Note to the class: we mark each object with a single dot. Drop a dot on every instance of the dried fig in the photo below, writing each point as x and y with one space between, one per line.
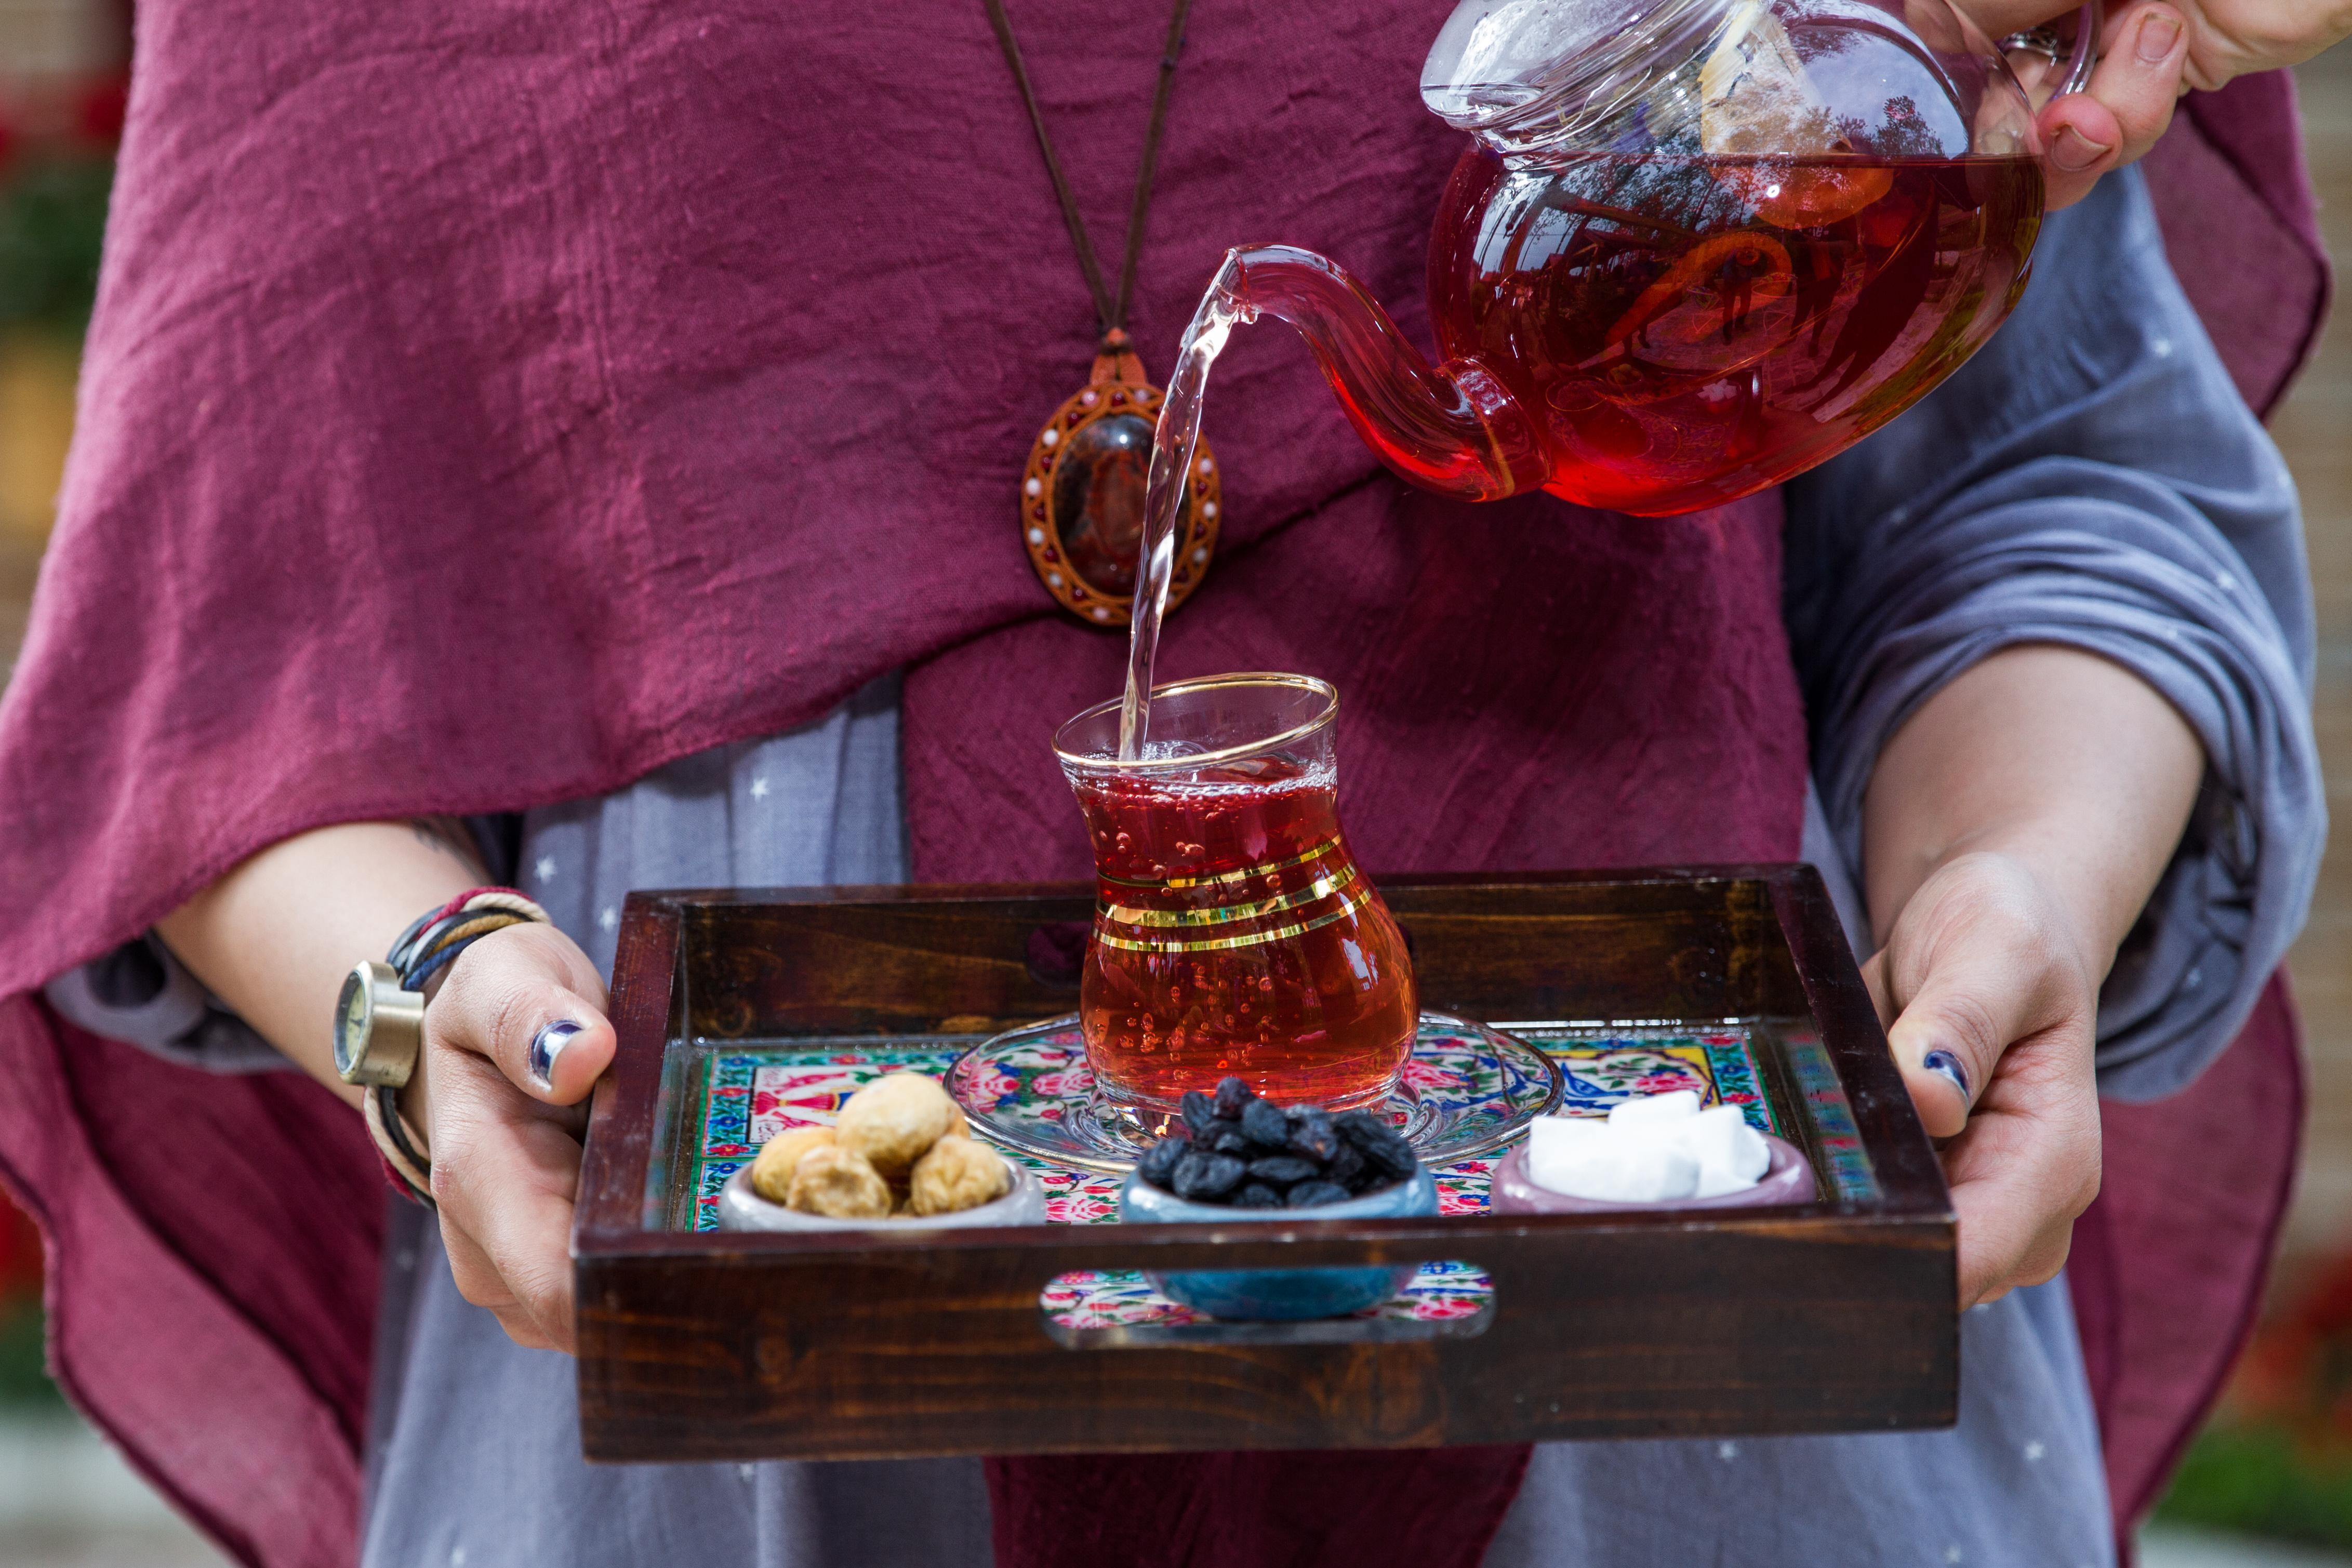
893 1120
772 1172
839 1183
957 1173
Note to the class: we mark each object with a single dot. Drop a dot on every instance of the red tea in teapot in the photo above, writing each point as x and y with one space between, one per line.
1234 935
1687 330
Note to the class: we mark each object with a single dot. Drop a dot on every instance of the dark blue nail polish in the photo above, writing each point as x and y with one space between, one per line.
1946 1063
547 1045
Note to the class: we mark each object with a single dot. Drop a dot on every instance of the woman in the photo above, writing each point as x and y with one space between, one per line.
552 332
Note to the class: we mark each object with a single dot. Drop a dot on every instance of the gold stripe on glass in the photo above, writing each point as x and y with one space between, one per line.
1243 875
1339 879
1348 905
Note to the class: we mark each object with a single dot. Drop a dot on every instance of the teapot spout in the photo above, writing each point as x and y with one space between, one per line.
1455 428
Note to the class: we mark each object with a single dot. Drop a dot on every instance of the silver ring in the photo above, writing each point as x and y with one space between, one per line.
2042 40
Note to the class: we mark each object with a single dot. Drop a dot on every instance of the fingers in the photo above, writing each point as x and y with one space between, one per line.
478 1281
2012 1233
516 1030
527 999
1994 1031
504 1177
2027 1166
2128 105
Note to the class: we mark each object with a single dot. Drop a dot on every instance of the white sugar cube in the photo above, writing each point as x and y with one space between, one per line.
1654 1150
1616 1171
1560 1134
1674 1107
1731 1154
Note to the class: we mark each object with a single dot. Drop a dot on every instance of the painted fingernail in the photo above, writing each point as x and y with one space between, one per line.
1949 1065
547 1045
2157 36
2073 151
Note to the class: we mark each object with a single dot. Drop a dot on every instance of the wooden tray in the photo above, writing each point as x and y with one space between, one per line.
1838 1316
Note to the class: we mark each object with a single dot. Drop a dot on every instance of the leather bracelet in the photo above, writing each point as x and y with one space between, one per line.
434 939
406 1158
380 1020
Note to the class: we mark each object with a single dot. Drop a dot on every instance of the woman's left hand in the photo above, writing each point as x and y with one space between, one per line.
1990 1007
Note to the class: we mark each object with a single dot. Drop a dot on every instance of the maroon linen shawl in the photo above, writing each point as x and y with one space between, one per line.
487 404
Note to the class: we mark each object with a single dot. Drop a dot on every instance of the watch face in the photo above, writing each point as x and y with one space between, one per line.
352 1021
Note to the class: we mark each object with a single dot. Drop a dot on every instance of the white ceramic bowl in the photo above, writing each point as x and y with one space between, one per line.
742 1208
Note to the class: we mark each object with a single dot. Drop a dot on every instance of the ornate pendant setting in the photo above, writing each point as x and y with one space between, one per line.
1082 495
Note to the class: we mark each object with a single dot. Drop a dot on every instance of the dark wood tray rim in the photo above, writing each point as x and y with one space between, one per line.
615 1169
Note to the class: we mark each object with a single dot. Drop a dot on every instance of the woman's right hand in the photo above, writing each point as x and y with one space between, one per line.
514 1039
2152 52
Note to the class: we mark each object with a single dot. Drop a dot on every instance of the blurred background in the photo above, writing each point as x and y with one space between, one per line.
2269 1482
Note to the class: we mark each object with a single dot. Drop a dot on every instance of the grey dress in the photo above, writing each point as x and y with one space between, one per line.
2092 477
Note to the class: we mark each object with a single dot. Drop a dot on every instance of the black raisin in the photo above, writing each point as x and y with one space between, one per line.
1203 1177
1360 1127
1347 1166
1393 1156
1158 1165
1232 1095
1281 1170
1265 1125
1313 1136
1225 1138
1198 1110
1307 1195
1258 1195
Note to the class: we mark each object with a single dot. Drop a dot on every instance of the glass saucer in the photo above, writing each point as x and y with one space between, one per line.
1465 1090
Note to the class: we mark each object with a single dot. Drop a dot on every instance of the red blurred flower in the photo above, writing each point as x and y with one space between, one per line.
2297 1373
20 1254
97 116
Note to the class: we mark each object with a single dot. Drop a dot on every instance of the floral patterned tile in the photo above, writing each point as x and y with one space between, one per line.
751 1095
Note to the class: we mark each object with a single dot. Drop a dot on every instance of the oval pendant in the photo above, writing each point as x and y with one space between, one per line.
1082 497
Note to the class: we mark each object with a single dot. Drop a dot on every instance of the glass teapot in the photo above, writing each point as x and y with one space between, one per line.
1697 247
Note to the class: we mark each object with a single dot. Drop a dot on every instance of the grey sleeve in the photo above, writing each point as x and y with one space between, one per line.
2093 479
140 995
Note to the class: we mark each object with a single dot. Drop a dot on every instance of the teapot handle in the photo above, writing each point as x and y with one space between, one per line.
2085 58
2079 63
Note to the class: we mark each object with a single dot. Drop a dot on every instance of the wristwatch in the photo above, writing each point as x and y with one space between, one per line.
378 1027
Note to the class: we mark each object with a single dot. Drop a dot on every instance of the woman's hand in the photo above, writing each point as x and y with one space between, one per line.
1992 1009
2126 105
2014 827
2151 53
515 1036
514 1039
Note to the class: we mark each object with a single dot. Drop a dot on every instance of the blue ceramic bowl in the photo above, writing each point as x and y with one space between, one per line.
1278 1295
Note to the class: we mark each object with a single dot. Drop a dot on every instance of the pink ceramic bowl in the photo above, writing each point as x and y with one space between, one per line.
1789 1179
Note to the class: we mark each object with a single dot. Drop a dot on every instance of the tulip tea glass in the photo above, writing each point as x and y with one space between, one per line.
1234 935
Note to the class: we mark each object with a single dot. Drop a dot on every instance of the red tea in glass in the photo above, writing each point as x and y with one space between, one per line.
1234 933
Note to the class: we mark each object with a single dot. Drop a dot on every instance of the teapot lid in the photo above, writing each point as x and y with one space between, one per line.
1517 71
1727 78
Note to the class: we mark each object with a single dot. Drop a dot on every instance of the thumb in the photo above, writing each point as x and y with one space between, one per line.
528 999
1954 1023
